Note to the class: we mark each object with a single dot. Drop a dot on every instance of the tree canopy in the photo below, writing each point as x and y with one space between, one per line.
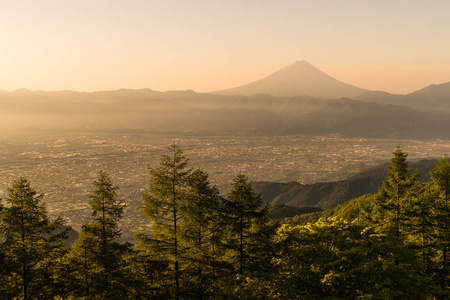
392 244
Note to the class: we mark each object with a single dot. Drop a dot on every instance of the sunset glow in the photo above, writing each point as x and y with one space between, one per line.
395 46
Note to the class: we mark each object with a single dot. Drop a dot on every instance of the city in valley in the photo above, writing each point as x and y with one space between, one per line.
63 165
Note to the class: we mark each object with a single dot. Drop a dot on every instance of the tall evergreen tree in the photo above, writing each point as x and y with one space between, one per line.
421 214
391 196
145 272
441 179
3 269
78 270
201 230
249 227
97 253
163 205
32 242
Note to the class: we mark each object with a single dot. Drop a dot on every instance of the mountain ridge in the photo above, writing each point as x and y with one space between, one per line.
196 112
432 98
424 114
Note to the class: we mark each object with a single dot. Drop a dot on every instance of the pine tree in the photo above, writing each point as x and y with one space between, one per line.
3 269
79 269
201 230
441 179
98 251
249 227
32 242
163 205
420 212
391 196
145 273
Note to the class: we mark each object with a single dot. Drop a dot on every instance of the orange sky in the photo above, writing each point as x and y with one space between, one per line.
396 46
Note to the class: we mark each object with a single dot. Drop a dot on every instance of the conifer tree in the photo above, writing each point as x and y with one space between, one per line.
78 270
97 253
441 179
145 273
391 196
163 205
201 230
249 226
421 214
32 241
3 269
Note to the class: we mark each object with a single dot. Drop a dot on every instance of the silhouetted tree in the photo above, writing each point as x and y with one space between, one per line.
441 179
248 240
201 230
32 242
97 253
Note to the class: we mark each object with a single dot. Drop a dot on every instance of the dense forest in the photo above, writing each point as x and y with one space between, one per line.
393 244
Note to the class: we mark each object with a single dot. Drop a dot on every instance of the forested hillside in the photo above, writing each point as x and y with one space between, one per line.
327 195
392 244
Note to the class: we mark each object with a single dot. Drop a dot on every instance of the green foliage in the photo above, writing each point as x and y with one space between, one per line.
248 242
281 211
441 180
355 209
163 206
78 270
32 242
441 176
146 274
242 215
407 220
106 209
335 259
95 263
420 226
390 212
201 233
389 245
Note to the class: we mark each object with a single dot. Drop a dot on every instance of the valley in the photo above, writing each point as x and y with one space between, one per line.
62 165
295 125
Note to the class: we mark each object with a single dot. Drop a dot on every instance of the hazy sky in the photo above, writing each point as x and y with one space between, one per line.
396 46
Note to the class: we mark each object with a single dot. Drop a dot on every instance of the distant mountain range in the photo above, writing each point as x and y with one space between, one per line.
424 114
327 195
433 98
297 79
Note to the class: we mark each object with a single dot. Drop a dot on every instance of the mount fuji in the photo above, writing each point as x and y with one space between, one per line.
297 79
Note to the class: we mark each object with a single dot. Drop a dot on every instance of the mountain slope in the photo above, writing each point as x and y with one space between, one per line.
282 211
298 79
326 195
433 98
